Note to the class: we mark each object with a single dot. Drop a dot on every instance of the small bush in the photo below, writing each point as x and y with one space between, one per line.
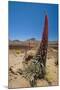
17 52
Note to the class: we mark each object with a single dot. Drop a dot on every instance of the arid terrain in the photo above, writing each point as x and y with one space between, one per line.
16 59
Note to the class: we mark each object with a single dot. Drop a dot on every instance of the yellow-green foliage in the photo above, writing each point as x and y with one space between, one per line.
17 52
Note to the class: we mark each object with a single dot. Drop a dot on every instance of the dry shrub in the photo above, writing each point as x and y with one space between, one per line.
17 52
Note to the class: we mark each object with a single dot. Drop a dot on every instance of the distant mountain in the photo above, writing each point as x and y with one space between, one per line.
15 42
53 42
31 41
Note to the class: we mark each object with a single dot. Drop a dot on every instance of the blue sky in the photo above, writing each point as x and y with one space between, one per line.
26 20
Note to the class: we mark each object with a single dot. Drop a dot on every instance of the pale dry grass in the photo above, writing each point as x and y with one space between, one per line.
16 57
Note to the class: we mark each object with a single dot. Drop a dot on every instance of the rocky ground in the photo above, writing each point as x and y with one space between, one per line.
16 57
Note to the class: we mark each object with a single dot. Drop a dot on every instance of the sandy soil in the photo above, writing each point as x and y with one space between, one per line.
16 57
